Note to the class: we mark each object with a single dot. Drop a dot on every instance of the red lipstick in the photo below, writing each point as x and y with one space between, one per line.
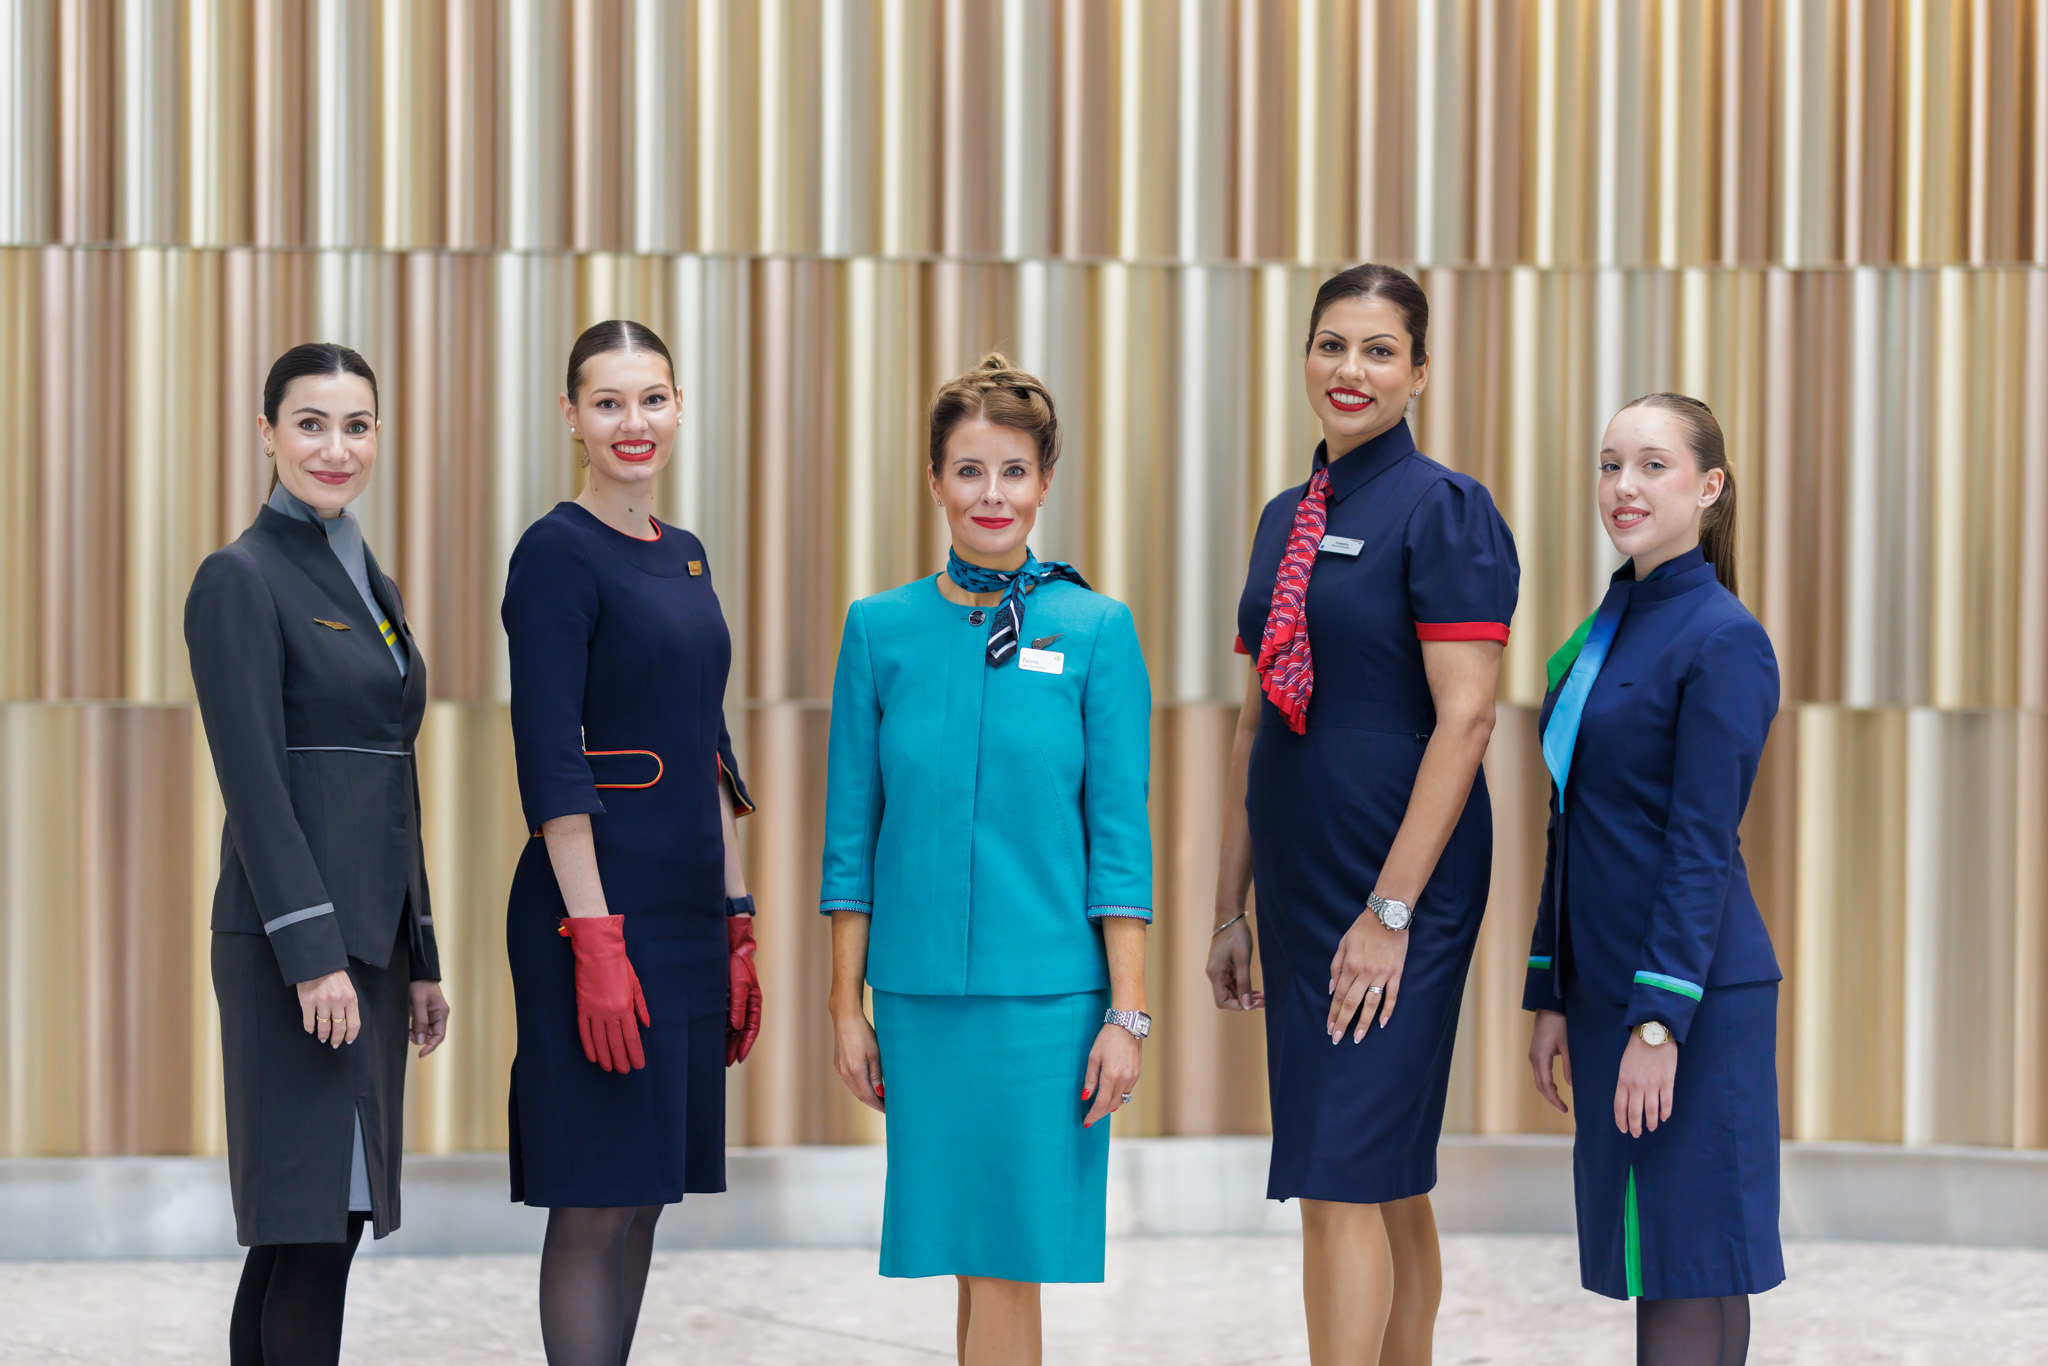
992 523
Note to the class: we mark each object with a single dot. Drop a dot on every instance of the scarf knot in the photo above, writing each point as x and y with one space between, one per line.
1006 624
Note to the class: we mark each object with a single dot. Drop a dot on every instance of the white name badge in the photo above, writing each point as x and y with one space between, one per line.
1042 661
1342 545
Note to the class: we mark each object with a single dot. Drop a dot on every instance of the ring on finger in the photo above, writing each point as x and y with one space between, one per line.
1375 991
1125 1099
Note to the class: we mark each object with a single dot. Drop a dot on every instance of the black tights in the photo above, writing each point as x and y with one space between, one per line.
288 1306
593 1273
1701 1332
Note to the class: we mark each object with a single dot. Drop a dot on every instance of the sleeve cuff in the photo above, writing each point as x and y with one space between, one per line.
831 904
1126 912
1539 987
584 804
1669 1000
741 805
1461 630
1237 645
307 943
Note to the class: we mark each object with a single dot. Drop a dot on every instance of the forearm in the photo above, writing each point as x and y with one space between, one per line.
572 851
735 874
1442 785
1123 942
1234 859
849 962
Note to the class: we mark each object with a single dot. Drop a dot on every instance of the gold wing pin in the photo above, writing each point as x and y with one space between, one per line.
330 625
1043 641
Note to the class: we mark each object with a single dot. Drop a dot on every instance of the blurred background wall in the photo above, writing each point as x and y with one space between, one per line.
1828 218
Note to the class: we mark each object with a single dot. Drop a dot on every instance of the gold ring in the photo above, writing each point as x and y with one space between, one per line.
323 1019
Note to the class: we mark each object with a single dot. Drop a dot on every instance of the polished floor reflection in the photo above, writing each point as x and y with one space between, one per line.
1186 1301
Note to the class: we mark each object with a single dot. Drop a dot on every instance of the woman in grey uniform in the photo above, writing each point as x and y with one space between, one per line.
323 941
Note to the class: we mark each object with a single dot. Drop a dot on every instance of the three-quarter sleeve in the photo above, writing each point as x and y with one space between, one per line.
1116 726
729 773
237 650
853 777
1463 576
550 613
1729 698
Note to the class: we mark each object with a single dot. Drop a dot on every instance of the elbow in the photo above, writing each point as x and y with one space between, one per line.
1471 726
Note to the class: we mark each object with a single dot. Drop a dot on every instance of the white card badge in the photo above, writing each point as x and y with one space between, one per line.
1342 545
1042 661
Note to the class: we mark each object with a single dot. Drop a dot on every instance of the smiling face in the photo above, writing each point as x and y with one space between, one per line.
991 488
1652 493
624 414
325 440
1359 371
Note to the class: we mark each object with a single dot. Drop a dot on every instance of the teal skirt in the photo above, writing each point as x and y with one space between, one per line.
990 1171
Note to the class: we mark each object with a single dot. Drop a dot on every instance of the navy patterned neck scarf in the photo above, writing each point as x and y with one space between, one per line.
1006 627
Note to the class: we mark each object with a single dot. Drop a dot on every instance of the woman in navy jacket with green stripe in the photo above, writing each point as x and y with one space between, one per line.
1651 974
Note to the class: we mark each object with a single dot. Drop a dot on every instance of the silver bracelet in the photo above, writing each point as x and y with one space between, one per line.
1226 924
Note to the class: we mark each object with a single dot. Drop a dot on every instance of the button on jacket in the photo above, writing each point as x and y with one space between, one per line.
312 732
1646 901
988 817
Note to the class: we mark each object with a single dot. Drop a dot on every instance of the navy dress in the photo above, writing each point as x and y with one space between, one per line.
619 658
1432 561
1646 914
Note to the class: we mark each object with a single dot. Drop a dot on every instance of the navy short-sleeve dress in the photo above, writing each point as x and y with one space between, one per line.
1412 552
619 658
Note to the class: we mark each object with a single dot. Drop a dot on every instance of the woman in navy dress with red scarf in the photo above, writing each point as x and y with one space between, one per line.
629 929
1650 970
1358 809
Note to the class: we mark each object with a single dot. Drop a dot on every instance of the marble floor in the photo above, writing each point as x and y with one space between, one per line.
1186 1301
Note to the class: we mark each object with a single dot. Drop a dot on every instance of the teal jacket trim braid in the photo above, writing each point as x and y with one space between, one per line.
988 818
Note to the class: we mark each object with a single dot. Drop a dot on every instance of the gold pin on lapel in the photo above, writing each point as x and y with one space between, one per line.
696 568
1045 642
330 625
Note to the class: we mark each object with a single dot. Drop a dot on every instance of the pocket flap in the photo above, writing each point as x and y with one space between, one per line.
624 767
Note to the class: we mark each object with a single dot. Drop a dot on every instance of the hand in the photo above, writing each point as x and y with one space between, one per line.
428 1024
743 990
1230 968
1642 1096
327 1005
1113 1067
857 1056
608 997
1369 955
1545 1043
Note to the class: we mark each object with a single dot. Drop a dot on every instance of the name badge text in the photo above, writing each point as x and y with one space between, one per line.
1342 545
1042 661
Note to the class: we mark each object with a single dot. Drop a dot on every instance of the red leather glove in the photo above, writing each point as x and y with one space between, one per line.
607 992
743 999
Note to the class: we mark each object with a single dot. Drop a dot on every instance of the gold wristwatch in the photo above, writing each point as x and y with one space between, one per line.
1652 1032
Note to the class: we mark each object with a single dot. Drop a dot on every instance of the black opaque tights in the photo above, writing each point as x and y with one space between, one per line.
1701 1332
593 1274
288 1307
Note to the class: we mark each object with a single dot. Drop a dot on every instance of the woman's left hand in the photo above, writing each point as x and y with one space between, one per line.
428 1024
1642 1096
1113 1066
1369 955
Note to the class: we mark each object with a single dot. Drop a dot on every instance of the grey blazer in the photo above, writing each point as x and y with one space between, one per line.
312 733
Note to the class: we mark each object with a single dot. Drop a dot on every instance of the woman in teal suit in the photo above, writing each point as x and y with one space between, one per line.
988 871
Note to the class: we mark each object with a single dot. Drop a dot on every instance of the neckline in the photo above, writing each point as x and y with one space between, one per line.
1358 466
622 535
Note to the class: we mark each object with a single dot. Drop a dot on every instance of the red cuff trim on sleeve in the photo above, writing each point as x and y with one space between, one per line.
1461 630
1237 644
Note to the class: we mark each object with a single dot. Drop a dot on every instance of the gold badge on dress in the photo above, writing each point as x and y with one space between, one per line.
330 625
696 568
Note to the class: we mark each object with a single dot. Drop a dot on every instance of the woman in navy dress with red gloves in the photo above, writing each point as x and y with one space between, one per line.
1358 809
629 931
1651 973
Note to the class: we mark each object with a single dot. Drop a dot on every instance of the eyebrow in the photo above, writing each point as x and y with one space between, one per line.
1332 332
322 412
1646 450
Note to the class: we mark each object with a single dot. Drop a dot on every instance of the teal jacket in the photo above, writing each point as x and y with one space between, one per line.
987 818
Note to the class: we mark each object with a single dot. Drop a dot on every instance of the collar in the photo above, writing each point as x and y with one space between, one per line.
1362 464
284 501
1673 578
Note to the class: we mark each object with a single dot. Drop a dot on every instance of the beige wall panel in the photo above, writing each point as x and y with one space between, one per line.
2030 932
28 117
208 1107
42 1047
1771 850
20 497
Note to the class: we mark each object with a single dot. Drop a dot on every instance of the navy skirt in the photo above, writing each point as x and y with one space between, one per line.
1691 1210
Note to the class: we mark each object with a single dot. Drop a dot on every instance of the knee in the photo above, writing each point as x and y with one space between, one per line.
988 1291
590 1228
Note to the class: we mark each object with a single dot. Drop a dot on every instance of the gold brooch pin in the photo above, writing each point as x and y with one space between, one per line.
696 568
330 625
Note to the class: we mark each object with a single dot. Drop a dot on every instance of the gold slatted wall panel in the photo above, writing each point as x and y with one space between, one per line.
1828 218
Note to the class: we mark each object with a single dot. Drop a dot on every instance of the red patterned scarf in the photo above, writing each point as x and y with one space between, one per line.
1287 671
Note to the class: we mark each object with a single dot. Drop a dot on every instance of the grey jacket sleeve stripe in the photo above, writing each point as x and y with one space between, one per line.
273 926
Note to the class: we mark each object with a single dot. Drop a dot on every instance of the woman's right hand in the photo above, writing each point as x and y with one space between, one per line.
857 1056
1547 1042
327 1005
1230 968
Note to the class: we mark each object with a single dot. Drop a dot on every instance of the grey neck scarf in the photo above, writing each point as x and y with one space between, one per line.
345 538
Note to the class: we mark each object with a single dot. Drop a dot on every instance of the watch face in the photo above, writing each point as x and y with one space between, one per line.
1654 1033
1395 916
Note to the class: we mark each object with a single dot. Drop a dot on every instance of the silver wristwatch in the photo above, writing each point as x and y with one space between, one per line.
1137 1021
1395 915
